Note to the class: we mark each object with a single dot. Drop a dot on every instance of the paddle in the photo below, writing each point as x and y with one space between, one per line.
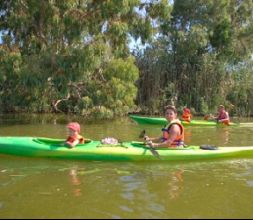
152 149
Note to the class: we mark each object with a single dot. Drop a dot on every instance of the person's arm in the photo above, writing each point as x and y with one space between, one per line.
72 144
155 139
213 118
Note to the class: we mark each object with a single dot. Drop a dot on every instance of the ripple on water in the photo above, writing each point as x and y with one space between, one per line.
250 183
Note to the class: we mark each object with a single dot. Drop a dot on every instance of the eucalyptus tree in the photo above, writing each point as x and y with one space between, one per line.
198 46
73 54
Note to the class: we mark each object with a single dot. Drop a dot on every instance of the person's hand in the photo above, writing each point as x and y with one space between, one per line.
146 138
69 144
151 144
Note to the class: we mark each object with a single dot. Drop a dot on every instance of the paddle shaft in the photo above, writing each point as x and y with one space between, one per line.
152 149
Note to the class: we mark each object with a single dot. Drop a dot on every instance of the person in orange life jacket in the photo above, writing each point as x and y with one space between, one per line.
73 135
173 133
186 116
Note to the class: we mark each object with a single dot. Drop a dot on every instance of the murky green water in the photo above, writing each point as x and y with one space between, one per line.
51 188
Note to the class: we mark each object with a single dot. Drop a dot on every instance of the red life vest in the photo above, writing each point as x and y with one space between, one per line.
179 141
71 139
223 116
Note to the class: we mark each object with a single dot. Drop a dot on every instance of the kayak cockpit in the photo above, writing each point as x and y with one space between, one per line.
53 141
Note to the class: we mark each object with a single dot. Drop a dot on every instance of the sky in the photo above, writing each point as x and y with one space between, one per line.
136 44
133 44
1 38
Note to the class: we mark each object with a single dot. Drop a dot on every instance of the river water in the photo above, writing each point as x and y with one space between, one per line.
53 188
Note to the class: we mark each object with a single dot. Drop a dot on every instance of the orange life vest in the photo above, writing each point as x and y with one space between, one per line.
179 141
71 139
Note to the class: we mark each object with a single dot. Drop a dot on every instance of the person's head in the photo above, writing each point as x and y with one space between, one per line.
221 108
170 112
186 110
73 128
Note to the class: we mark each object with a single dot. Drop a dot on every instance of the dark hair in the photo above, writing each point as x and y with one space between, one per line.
170 107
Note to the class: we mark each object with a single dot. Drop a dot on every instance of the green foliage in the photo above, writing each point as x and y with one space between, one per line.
124 70
240 94
101 112
203 106
119 90
222 35
10 69
71 56
199 49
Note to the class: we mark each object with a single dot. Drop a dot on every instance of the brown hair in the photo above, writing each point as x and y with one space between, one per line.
170 107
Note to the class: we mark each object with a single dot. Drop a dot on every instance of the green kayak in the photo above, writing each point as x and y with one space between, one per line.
125 151
163 121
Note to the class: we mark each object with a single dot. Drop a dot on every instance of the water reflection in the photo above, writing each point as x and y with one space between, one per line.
176 183
223 135
188 135
1 205
126 190
75 181
156 187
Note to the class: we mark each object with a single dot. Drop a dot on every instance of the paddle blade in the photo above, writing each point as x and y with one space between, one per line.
155 153
142 134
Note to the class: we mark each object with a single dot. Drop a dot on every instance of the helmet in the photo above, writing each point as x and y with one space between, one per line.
187 110
74 126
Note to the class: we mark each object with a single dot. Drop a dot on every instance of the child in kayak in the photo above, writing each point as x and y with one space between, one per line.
173 133
186 116
74 137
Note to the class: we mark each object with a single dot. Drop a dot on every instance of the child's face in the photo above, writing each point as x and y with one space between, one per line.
71 132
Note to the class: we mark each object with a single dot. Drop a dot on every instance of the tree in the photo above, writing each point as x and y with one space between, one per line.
196 47
66 50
